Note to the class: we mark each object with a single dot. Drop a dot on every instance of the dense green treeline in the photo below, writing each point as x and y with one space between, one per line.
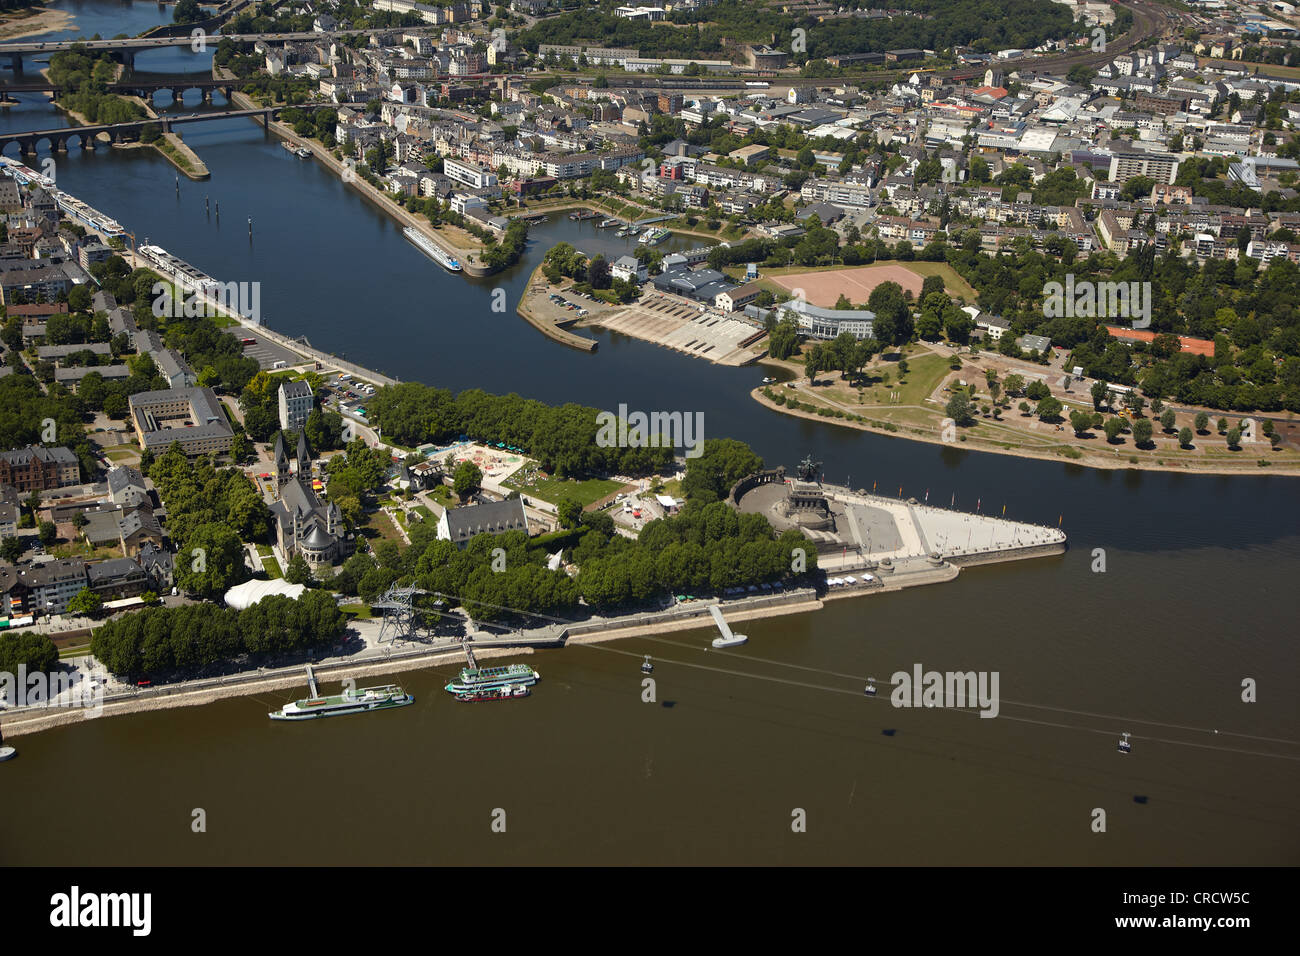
182 641
933 25
35 652
562 438
707 547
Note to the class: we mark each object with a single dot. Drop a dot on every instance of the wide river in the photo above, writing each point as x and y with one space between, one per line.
1199 586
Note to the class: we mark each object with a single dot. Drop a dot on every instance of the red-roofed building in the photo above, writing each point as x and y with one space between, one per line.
997 92
1195 346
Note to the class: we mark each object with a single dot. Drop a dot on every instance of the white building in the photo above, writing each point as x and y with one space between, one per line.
629 269
468 174
295 404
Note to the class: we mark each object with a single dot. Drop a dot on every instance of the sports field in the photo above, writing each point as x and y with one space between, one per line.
825 287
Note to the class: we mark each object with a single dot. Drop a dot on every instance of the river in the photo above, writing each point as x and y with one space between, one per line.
1194 599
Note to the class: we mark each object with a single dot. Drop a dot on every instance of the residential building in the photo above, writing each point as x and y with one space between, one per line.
37 468
458 525
296 402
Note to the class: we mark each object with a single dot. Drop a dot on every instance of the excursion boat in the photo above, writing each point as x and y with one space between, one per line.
474 679
654 237
302 152
505 692
351 701
431 249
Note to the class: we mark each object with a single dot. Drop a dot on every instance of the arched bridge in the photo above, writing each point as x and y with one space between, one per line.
118 132
142 87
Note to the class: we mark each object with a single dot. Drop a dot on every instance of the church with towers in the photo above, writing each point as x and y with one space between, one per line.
304 524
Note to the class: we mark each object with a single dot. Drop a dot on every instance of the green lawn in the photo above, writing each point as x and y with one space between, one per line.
924 372
377 524
443 495
271 567
423 510
356 610
119 452
556 489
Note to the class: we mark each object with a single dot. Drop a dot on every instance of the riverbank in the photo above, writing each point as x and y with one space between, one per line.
529 307
169 146
34 21
242 686
470 256
1249 464
687 617
177 152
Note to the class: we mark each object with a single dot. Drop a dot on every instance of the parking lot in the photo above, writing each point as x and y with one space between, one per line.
268 353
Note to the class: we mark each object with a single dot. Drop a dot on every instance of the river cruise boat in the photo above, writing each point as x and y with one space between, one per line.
431 249
607 223
474 679
654 236
505 692
351 701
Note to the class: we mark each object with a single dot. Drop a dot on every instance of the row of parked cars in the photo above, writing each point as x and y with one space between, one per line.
566 304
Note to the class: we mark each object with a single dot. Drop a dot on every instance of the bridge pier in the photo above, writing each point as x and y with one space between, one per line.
16 63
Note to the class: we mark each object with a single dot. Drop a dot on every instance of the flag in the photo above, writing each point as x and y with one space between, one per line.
1004 510
977 503
927 495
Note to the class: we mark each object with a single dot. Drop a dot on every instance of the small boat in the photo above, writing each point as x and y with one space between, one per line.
870 690
6 753
475 679
621 233
505 692
606 223
646 666
632 230
351 701
768 380
1124 746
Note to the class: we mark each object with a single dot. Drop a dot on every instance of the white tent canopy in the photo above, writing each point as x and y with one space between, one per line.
250 592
